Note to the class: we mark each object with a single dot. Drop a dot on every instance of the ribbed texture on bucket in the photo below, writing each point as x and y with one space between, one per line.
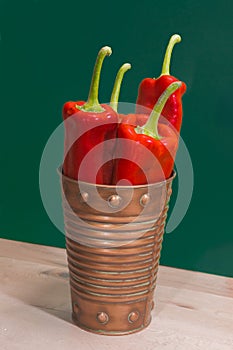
113 241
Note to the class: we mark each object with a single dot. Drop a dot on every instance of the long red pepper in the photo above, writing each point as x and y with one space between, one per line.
146 154
150 89
86 126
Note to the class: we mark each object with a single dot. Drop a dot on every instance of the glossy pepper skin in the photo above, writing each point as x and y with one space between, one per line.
150 89
145 154
88 125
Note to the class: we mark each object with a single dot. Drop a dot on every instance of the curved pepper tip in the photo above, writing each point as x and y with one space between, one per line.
176 38
107 50
177 83
117 85
127 66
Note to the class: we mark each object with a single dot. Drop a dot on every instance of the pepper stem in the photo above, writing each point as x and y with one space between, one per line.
151 126
92 104
167 58
117 85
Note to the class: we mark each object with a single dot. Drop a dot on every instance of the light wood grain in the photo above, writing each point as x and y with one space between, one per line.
193 310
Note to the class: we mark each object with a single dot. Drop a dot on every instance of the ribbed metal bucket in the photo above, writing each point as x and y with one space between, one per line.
113 239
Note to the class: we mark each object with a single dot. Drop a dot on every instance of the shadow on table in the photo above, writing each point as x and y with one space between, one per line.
46 288
55 293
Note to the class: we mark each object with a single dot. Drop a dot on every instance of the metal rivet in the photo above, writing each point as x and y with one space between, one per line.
145 199
84 196
114 201
76 308
102 317
133 316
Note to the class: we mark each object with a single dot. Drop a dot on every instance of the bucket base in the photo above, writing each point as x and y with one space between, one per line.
107 317
109 333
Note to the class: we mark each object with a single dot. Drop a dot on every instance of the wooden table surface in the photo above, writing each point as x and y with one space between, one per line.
193 310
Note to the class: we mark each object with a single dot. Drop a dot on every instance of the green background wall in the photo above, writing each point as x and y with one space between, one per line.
47 51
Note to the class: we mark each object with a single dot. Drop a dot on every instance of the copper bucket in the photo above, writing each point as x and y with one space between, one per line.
113 241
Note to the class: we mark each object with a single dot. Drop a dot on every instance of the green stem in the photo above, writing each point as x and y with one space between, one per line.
92 104
151 126
167 58
117 85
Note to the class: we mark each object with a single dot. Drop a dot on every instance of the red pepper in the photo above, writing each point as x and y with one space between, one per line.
146 154
150 89
88 125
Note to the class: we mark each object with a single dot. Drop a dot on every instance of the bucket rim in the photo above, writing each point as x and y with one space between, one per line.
156 184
